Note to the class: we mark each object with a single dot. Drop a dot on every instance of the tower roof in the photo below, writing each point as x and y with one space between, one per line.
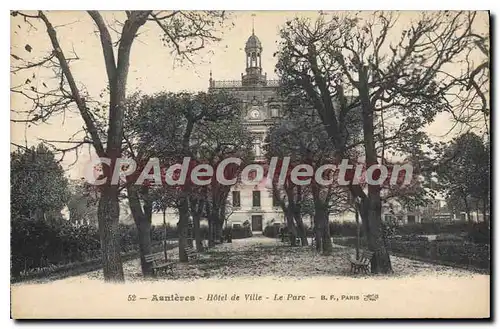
253 42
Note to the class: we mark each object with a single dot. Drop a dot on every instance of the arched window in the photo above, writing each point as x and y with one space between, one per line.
275 111
253 61
258 147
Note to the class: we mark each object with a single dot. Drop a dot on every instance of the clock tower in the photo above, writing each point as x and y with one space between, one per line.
253 52
261 106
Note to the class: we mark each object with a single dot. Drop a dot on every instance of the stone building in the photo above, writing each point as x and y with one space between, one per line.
261 106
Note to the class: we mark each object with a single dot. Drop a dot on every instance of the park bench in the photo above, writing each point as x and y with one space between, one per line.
361 264
191 253
287 239
159 262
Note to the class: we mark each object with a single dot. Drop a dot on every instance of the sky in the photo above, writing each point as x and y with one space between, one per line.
153 67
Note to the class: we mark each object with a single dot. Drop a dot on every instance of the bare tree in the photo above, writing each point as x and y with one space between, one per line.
398 76
186 32
472 110
199 126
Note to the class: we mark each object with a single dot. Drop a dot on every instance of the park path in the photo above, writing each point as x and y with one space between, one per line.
260 256
264 266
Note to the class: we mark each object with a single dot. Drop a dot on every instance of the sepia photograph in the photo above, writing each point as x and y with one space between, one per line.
212 164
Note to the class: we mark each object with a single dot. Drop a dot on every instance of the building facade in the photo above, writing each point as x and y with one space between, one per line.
261 106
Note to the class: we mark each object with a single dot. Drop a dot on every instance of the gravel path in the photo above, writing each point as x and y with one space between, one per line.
260 256
264 266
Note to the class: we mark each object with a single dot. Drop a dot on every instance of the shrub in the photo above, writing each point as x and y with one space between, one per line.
419 248
158 232
38 244
464 253
411 237
241 232
456 252
271 231
474 232
344 229
433 228
479 233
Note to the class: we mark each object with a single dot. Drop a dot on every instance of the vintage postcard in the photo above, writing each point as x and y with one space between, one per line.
268 164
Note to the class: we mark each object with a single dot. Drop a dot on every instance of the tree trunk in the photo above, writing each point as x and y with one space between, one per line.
467 210
357 233
363 213
222 221
326 238
208 211
218 224
108 215
144 232
218 231
296 207
212 224
317 230
142 221
381 262
211 235
301 229
293 214
164 211
326 241
477 210
197 234
197 210
117 72
182 228
485 209
292 234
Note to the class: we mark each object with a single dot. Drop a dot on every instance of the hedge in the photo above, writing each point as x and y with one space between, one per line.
37 244
448 251
474 232
344 229
238 232
272 231
77 268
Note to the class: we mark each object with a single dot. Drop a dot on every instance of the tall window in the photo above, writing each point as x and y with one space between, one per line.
253 61
256 198
257 147
236 199
274 112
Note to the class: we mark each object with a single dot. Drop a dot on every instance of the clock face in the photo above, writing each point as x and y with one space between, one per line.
254 114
